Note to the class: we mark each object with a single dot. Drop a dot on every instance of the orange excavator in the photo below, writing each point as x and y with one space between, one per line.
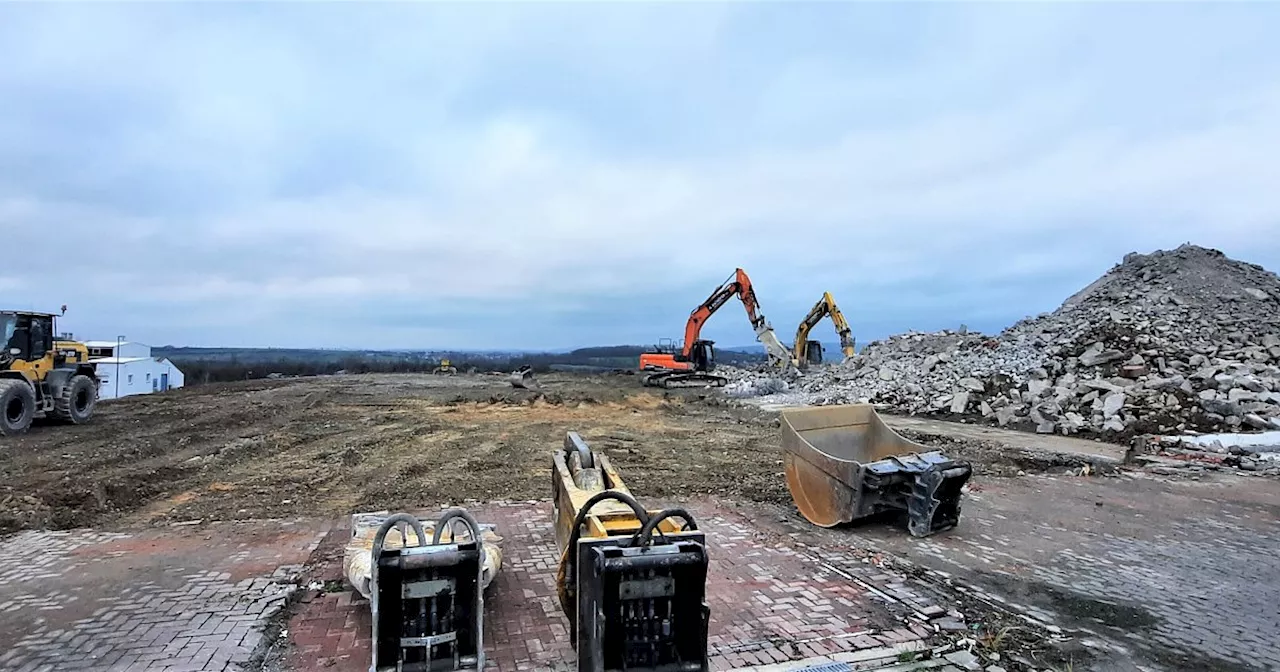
692 362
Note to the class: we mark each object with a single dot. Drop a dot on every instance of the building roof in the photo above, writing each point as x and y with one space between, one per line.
117 360
109 344
29 312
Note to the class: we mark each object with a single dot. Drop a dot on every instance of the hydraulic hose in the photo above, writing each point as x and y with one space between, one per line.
576 532
376 550
394 520
452 515
645 535
566 574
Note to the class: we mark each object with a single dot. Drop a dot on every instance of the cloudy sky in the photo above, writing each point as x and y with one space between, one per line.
553 175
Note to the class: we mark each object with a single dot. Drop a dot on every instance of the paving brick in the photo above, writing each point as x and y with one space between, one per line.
772 599
141 600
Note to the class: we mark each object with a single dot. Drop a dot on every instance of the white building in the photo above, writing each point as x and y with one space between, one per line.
128 368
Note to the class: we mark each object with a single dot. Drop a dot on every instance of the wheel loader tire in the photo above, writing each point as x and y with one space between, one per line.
75 404
17 407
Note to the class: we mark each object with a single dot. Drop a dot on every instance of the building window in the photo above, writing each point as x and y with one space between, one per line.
148 377
131 379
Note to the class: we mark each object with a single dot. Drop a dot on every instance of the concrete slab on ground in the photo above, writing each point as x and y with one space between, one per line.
174 598
1177 575
773 599
1085 450
1047 443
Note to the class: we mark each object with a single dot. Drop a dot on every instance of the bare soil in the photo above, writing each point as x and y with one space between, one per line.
332 445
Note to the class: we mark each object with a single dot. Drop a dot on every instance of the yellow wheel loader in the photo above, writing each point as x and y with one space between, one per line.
805 351
41 376
446 368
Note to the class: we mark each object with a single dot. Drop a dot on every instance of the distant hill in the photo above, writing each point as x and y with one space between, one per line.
830 351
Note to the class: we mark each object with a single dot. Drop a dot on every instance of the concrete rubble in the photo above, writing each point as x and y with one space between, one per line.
1183 340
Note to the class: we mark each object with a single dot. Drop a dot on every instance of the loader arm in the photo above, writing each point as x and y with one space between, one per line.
826 306
738 285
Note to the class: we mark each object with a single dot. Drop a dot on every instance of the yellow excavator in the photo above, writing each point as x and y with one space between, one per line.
41 376
805 351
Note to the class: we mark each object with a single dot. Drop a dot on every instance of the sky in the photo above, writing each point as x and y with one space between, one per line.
530 175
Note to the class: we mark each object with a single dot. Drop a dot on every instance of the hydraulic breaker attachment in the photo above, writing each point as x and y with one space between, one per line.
426 594
631 581
844 463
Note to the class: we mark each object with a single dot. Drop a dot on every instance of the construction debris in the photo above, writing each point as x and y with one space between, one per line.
1179 340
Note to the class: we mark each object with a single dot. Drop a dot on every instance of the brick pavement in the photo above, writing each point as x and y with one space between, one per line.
178 598
1183 574
772 599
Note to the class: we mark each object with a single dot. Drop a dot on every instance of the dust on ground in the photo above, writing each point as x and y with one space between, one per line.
330 445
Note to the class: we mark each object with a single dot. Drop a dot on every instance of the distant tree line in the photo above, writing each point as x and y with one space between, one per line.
209 365
199 371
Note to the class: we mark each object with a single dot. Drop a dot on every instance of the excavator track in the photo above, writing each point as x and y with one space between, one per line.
677 379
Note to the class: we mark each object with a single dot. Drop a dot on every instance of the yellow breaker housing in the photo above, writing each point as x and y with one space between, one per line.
631 581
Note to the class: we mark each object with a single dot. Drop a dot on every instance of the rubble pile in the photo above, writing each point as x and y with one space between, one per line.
754 386
1184 339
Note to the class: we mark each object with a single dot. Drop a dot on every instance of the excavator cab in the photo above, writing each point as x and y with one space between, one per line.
703 355
813 353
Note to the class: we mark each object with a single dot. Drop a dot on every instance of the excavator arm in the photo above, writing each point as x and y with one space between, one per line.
826 306
738 285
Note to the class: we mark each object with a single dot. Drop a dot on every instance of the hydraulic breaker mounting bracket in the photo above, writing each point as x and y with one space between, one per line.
427 600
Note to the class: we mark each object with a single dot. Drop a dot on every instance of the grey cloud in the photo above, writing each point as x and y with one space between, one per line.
261 174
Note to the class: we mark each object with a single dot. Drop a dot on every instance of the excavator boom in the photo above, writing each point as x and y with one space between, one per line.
694 360
803 349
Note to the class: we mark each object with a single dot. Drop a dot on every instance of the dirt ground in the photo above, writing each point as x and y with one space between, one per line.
321 448
331 445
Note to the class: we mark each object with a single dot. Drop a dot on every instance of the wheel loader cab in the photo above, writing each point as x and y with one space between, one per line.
9 329
28 341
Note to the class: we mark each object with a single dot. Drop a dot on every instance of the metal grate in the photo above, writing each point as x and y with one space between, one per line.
827 667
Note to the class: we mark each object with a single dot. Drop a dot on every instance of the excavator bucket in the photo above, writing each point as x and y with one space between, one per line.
844 463
522 378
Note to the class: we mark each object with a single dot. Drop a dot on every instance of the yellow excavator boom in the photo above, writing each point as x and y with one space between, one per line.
804 348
